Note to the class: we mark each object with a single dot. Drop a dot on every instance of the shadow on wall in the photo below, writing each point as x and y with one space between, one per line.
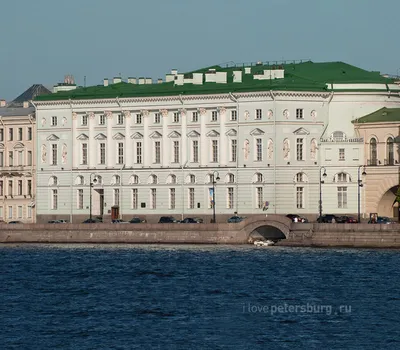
269 232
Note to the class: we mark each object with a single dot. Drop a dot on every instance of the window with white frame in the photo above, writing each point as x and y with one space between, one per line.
173 179
79 204
230 200
19 187
195 117
299 113
176 117
259 197
157 118
29 212
300 197
299 149
214 150
120 119
192 178
84 120
299 177
135 198
231 178
29 134
138 118
84 153
154 179
172 198
120 153
233 150
102 119
1 188
176 151
234 115
195 149
153 198
20 158
102 149
11 134
342 177
259 150
54 154
341 154
134 179
191 198
116 196
19 134
214 116
157 152
138 152
259 177
258 114
19 211
29 160
10 158
10 187
53 120
54 199
29 187
342 197
10 211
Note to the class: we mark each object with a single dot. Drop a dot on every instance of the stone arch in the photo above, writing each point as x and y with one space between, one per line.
279 222
386 192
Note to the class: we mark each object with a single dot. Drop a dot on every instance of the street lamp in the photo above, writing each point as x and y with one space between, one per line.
91 183
360 184
214 179
320 188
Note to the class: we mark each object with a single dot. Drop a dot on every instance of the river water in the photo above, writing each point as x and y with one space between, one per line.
198 297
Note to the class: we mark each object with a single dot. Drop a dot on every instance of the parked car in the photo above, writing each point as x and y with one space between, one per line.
345 219
199 220
167 220
92 221
15 222
381 220
235 219
57 222
119 221
137 220
190 221
328 218
297 217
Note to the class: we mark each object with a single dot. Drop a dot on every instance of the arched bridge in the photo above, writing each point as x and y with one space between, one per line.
263 223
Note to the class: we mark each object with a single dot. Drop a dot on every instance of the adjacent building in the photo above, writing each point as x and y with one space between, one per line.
256 137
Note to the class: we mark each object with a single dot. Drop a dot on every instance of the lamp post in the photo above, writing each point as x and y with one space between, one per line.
320 188
360 184
91 183
214 179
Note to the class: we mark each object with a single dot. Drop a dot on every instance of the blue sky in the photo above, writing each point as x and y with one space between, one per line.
43 40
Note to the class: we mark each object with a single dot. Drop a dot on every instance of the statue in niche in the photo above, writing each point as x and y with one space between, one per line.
64 154
44 154
286 149
313 150
246 149
270 149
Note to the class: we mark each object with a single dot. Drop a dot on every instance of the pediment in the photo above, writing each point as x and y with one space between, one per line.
118 136
193 133
52 137
231 132
82 137
155 135
19 145
212 133
100 137
256 132
301 131
137 135
174 135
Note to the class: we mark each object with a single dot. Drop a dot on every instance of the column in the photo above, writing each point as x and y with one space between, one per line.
223 154
92 142
165 144
109 155
146 141
75 145
184 138
204 149
128 141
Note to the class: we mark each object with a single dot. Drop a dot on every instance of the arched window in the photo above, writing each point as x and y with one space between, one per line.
300 177
99 180
134 179
342 177
230 178
338 136
192 178
153 179
79 180
373 152
172 179
258 178
389 151
116 180
53 181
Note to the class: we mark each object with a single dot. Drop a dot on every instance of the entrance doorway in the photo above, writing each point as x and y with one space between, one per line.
98 202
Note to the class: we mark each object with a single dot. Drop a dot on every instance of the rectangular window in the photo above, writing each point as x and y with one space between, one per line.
19 211
29 158
54 199
80 199
259 150
53 154
233 150
258 114
1 134
102 119
157 118
10 212
153 198
299 113
176 151
259 199
84 153
120 119
195 117
138 118
1 213
84 120
19 134
234 115
195 145
53 120
176 117
214 116
134 198
19 187
120 153
341 154
215 151
300 197
138 152
230 199
10 158
29 134
29 185
29 214
20 158
10 134
191 198
172 198
299 149
102 153
1 188
116 196
1 158
157 152
342 197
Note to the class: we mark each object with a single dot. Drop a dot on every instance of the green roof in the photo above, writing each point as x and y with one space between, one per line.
305 76
381 115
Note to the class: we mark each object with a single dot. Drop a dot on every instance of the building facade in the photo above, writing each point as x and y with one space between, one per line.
267 133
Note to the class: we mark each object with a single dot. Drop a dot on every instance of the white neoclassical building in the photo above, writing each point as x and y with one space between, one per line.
267 132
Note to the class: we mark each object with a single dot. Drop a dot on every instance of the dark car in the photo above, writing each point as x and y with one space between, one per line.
15 222
381 220
235 219
57 222
190 221
92 221
167 220
297 217
137 220
328 218
345 219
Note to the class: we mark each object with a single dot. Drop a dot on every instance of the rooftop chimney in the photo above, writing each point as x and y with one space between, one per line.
105 82
2 103
117 80
132 80
159 81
